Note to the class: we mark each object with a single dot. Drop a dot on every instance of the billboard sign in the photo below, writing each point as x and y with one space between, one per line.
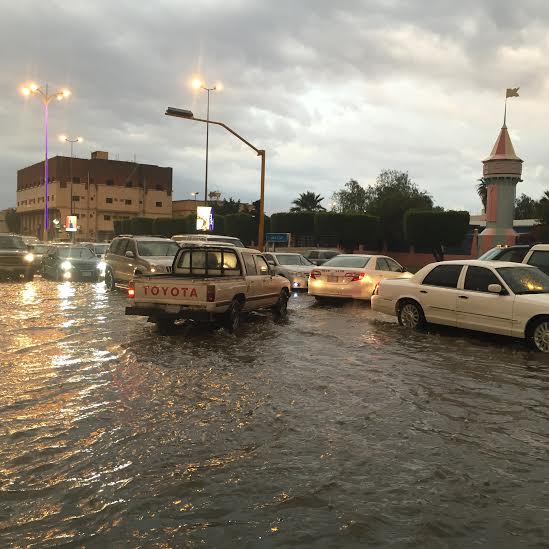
278 238
71 223
204 218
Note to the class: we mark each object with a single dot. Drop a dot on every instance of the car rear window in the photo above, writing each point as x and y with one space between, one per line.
208 263
445 276
540 259
352 262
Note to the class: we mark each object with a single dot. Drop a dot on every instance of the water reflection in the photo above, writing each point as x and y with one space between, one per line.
337 428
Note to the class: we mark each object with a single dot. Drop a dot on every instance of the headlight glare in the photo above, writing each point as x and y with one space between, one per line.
66 265
29 257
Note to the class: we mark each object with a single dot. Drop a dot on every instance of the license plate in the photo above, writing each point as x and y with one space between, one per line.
86 273
172 308
333 279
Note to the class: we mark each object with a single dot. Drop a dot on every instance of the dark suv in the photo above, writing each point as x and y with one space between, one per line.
319 257
15 259
514 254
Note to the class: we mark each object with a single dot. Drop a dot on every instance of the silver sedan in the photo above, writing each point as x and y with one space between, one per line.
294 267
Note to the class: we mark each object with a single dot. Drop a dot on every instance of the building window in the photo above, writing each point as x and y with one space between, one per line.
76 199
159 188
129 183
110 182
108 200
159 204
128 202
76 180
107 217
63 185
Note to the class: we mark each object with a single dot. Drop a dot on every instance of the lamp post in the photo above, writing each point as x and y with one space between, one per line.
195 194
197 84
72 141
46 98
182 113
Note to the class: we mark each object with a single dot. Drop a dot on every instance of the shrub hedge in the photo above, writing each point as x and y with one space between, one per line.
434 228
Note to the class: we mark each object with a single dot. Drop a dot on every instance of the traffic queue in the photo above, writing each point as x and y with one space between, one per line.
217 279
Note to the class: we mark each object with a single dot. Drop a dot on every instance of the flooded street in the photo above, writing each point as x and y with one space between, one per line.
335 429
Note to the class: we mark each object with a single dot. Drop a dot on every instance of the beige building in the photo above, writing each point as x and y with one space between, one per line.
102 191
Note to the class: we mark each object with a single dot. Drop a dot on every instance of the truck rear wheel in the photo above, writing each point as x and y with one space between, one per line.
233 316
109 280
164 325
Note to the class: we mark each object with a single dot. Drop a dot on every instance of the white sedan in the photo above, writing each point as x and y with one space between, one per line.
488 296
352 276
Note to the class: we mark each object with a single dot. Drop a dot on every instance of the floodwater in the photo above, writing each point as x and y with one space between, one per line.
335 429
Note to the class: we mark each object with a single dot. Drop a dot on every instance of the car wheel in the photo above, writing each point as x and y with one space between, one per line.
164 325
233 316
410 315
29 276
110 283
59 276
539 335
280 310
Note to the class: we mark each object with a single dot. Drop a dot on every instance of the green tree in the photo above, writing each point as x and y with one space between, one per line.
392 195
353 198
526 207
543 211
13 220
227 207
482 191
308 202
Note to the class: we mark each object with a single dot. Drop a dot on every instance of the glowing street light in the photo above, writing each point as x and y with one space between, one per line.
198 84
195 194
45 97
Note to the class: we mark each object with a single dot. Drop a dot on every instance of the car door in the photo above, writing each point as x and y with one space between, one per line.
128 264
438 294
479 309
269 285
254 282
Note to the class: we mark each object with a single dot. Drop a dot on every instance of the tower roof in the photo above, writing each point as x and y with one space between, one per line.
503 148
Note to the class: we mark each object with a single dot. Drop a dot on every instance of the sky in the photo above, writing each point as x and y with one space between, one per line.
331 90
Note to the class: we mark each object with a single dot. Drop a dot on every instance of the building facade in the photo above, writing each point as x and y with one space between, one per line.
101 191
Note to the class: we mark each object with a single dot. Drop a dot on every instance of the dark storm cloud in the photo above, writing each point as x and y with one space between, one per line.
331 90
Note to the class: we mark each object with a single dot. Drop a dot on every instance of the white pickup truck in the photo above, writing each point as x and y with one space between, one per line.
209 282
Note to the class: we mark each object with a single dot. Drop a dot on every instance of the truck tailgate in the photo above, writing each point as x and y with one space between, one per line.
169 290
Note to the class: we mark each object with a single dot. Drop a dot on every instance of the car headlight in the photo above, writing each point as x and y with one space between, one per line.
66 265
29 257
102 266
155 268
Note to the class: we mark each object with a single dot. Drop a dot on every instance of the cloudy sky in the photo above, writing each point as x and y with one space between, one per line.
331 90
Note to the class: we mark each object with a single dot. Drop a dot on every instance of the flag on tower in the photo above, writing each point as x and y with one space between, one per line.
512 92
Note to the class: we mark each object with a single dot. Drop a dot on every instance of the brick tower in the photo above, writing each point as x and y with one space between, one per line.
501 171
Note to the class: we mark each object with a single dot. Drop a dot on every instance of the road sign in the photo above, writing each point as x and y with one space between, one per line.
278 238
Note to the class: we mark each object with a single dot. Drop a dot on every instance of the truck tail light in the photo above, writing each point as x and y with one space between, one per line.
354 277
131 290
210 293
315 274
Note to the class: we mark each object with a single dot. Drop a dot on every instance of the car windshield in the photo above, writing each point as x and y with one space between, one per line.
354 262
491 254
12 243
75 253
40 249
157 248
525 280
291 259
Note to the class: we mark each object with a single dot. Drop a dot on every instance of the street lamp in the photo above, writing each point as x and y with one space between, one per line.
197 84
183 113
195 194
72 141
46 98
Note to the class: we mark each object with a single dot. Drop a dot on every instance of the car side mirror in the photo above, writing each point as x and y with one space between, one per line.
129 253
495 288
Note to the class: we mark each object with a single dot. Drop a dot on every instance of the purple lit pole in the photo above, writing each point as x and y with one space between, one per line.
45 97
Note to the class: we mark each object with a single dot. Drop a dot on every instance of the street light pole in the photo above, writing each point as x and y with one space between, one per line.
182 113
198 84
46 98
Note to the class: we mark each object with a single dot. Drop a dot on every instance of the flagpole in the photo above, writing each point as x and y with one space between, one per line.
505 112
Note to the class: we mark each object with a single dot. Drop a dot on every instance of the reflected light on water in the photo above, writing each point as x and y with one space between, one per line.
28 294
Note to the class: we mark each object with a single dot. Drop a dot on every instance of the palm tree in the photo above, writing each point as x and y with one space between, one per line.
482 191
308 202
